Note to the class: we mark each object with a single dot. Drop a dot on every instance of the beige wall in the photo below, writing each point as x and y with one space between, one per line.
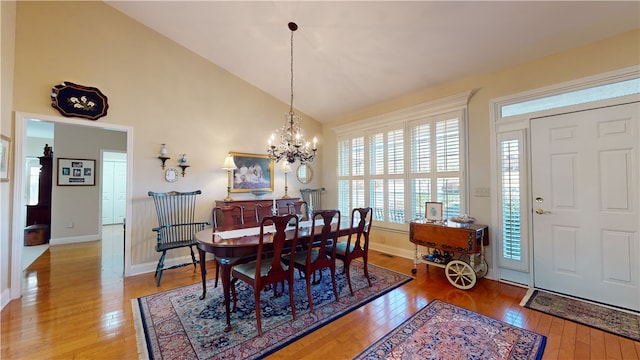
7 24
170 95
611 54
164 92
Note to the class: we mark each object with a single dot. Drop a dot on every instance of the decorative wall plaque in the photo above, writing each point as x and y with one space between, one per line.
74 100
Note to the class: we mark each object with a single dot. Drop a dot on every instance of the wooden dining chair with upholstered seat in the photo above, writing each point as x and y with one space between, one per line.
357 244
226 217
176 225
316 256
268 268
299 207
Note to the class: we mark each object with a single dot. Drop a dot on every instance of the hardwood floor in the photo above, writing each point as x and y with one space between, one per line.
76 305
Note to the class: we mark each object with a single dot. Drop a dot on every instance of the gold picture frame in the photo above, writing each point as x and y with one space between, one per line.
5 157
253 172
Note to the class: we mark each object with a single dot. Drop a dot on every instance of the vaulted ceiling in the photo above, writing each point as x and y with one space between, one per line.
349 55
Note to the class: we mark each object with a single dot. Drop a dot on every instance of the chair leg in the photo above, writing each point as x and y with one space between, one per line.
308 279
256 292
233 294
193 257
291 300
333 280
160 267
348 274
366 269
217 274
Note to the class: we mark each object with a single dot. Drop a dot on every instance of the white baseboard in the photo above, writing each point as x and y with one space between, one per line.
407 254
150 267
5 298
74 239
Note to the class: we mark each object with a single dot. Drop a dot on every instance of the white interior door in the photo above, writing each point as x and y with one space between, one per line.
585 202
114 188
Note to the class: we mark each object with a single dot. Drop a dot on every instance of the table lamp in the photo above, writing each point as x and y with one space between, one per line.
229 165
285 169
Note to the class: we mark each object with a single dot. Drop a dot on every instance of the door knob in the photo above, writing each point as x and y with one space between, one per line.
540 212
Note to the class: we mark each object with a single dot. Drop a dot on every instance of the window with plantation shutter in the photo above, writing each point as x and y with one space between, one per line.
397 162
511 209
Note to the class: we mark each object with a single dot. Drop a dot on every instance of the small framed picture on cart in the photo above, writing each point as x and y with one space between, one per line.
433 211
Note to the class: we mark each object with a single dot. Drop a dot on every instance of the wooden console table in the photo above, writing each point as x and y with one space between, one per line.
250 205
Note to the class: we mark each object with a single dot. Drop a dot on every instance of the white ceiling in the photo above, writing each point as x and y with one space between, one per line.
349 55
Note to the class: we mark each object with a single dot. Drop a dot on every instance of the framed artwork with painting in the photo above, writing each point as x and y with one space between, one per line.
253 172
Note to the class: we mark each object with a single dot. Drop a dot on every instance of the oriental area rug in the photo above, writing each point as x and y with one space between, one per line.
607 319
444 331
176 324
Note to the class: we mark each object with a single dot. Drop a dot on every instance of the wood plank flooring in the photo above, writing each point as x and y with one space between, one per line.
76 305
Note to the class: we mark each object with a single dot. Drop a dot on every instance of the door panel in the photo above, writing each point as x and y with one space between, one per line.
585 197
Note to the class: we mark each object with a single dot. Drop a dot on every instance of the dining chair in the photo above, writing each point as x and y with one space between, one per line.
224 217
312 197
316 255
268 268
299 207
357 244
176 225
262 211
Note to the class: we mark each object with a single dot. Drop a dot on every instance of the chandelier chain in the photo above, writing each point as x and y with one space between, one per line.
291 145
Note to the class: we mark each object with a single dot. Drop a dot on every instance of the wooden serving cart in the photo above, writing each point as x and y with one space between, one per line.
456 247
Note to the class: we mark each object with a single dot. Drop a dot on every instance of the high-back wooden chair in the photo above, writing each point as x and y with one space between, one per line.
176 225
262 211
268 268
357 244
317 255
312 197
225 217
299 208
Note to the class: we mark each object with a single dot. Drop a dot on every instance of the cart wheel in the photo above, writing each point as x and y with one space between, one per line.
460 274
414 271
480 264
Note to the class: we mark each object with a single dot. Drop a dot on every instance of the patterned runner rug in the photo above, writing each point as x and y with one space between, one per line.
600 317
444 331
178 325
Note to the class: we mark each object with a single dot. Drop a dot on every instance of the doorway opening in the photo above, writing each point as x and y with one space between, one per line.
20 187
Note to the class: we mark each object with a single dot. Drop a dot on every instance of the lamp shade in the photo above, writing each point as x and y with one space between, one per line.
285 167
229 164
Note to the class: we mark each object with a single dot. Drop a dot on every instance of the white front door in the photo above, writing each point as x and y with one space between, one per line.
585 182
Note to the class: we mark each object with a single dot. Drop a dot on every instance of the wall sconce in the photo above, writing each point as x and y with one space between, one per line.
229 165
163 155
285 169
183 163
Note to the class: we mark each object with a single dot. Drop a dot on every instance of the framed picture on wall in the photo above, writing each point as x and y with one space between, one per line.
5 147
433 211
253 172
76 172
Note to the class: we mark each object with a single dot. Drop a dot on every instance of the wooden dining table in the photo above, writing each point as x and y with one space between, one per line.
240 249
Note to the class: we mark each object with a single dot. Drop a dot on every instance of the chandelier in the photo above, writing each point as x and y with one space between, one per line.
291 144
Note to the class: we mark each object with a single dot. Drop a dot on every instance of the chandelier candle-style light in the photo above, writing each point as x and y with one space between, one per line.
291 144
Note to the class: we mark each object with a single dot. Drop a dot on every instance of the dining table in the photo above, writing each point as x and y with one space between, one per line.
238 244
